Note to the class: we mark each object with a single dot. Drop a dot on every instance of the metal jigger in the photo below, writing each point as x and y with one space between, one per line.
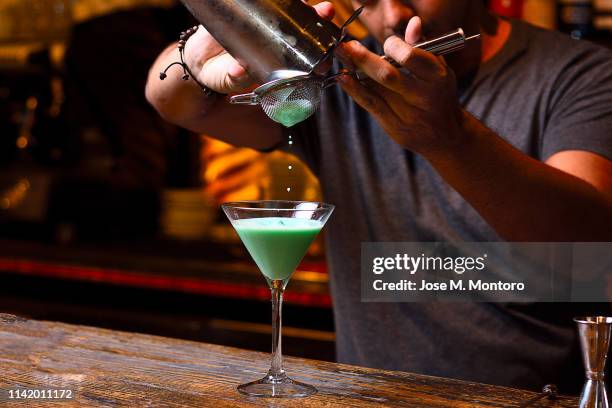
594 333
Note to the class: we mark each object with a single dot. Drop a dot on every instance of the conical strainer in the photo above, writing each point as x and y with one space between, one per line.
292 104
287 101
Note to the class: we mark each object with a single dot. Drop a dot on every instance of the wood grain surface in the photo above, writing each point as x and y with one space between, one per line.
107 368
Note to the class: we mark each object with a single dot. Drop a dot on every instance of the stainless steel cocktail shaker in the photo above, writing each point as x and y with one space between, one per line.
268 37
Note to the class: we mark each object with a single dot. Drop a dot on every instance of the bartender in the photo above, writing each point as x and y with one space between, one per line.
509 139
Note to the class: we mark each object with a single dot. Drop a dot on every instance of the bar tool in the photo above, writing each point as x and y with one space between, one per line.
594 334
272 39
294 99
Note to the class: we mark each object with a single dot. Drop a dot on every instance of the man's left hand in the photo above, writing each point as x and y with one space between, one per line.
417 105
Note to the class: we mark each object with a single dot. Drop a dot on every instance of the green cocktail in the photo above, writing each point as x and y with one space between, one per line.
277 235
292 112
277 244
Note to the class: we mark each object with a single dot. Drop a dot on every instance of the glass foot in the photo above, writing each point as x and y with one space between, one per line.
279 386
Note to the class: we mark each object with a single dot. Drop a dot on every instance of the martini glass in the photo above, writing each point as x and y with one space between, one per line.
277 234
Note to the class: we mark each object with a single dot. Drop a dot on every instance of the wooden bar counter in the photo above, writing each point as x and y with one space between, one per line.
106 368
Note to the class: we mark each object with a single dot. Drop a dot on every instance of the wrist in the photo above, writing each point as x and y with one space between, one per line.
458 136
196 50
188 73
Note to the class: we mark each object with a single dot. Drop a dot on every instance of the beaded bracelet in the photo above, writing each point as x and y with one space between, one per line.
185 35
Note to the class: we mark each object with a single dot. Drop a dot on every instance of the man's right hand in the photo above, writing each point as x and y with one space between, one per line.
218 70
213 66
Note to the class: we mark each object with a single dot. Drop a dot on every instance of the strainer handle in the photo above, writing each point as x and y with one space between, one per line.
245 99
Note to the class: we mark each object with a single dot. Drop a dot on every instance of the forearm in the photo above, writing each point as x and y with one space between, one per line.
184 104
523 199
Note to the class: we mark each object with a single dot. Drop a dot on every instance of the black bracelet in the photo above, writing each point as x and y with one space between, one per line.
185 35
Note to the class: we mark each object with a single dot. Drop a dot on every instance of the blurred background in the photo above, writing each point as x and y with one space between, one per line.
110 217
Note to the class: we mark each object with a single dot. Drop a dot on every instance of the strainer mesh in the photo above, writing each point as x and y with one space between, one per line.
293 103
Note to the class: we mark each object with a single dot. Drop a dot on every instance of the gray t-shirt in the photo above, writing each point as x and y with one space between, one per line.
542 92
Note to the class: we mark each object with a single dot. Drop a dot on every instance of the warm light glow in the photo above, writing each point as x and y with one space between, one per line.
22 142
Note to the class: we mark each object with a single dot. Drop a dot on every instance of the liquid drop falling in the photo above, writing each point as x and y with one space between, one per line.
290 166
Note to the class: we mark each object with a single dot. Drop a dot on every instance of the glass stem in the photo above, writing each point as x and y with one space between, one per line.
276 370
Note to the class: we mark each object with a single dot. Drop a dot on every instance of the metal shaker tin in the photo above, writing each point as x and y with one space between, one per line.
267 36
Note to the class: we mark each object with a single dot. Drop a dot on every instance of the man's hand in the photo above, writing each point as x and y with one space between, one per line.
218 70
213 66
417 105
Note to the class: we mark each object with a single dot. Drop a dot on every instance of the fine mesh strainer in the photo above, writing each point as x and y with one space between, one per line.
295 96
288 101
292 103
